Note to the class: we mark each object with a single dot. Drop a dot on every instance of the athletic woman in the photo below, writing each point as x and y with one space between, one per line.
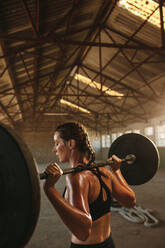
85 206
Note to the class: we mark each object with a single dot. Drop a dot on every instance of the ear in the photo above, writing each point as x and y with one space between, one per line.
72 144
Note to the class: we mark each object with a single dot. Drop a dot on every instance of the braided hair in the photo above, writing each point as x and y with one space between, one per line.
76 131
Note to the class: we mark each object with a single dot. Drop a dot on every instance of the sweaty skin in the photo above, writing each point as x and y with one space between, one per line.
83 188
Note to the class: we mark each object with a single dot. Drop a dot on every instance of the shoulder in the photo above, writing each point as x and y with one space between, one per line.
107 177
86 178
78 180
107 172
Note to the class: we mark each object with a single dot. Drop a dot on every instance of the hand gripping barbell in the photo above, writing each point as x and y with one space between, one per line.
20 180
129 159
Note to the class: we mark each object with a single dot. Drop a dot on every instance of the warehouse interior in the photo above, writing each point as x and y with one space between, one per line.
100 63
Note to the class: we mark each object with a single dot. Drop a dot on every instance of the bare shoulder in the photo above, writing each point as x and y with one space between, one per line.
78 179
107 176
87 177
106 171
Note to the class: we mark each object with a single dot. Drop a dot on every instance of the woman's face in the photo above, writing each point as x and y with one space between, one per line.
61 148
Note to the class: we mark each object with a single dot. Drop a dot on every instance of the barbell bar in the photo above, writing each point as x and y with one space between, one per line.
129 159
20 180
143 150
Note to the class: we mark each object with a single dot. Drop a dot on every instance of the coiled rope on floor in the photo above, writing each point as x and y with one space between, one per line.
136 214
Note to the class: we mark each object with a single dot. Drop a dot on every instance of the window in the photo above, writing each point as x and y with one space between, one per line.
143 9
105 141
114 136
161 135
96 143
149 131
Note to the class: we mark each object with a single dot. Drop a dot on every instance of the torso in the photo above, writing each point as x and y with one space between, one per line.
101 225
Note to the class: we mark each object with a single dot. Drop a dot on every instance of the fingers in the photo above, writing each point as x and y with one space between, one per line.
116 162
116 159
54 170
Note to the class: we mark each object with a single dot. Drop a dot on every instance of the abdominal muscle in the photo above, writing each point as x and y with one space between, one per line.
100 231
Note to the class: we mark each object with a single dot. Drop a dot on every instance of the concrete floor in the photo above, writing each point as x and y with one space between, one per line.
51 232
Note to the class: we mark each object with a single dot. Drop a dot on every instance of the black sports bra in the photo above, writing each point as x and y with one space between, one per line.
99 207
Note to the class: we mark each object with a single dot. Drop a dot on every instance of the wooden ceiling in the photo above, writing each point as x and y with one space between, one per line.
45 44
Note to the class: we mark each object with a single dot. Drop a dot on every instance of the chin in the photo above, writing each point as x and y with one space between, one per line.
63 160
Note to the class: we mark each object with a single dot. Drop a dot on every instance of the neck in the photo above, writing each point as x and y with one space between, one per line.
76 158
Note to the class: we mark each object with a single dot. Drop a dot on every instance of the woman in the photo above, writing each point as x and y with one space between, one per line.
85 207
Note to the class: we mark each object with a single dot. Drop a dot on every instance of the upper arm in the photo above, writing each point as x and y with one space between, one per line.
122 194
78 186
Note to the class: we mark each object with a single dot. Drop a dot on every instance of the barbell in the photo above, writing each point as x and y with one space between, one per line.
20 180
129 159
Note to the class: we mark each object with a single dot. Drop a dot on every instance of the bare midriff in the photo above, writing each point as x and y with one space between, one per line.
101 227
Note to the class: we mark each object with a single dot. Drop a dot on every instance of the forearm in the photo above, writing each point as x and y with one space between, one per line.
127 198
78 222
121 179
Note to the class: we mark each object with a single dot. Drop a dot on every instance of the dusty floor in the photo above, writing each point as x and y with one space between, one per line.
51 232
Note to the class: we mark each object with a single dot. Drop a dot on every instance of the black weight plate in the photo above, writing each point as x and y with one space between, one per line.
147 157
19 191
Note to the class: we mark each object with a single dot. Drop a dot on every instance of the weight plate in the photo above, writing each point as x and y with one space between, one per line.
19 190
147 157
